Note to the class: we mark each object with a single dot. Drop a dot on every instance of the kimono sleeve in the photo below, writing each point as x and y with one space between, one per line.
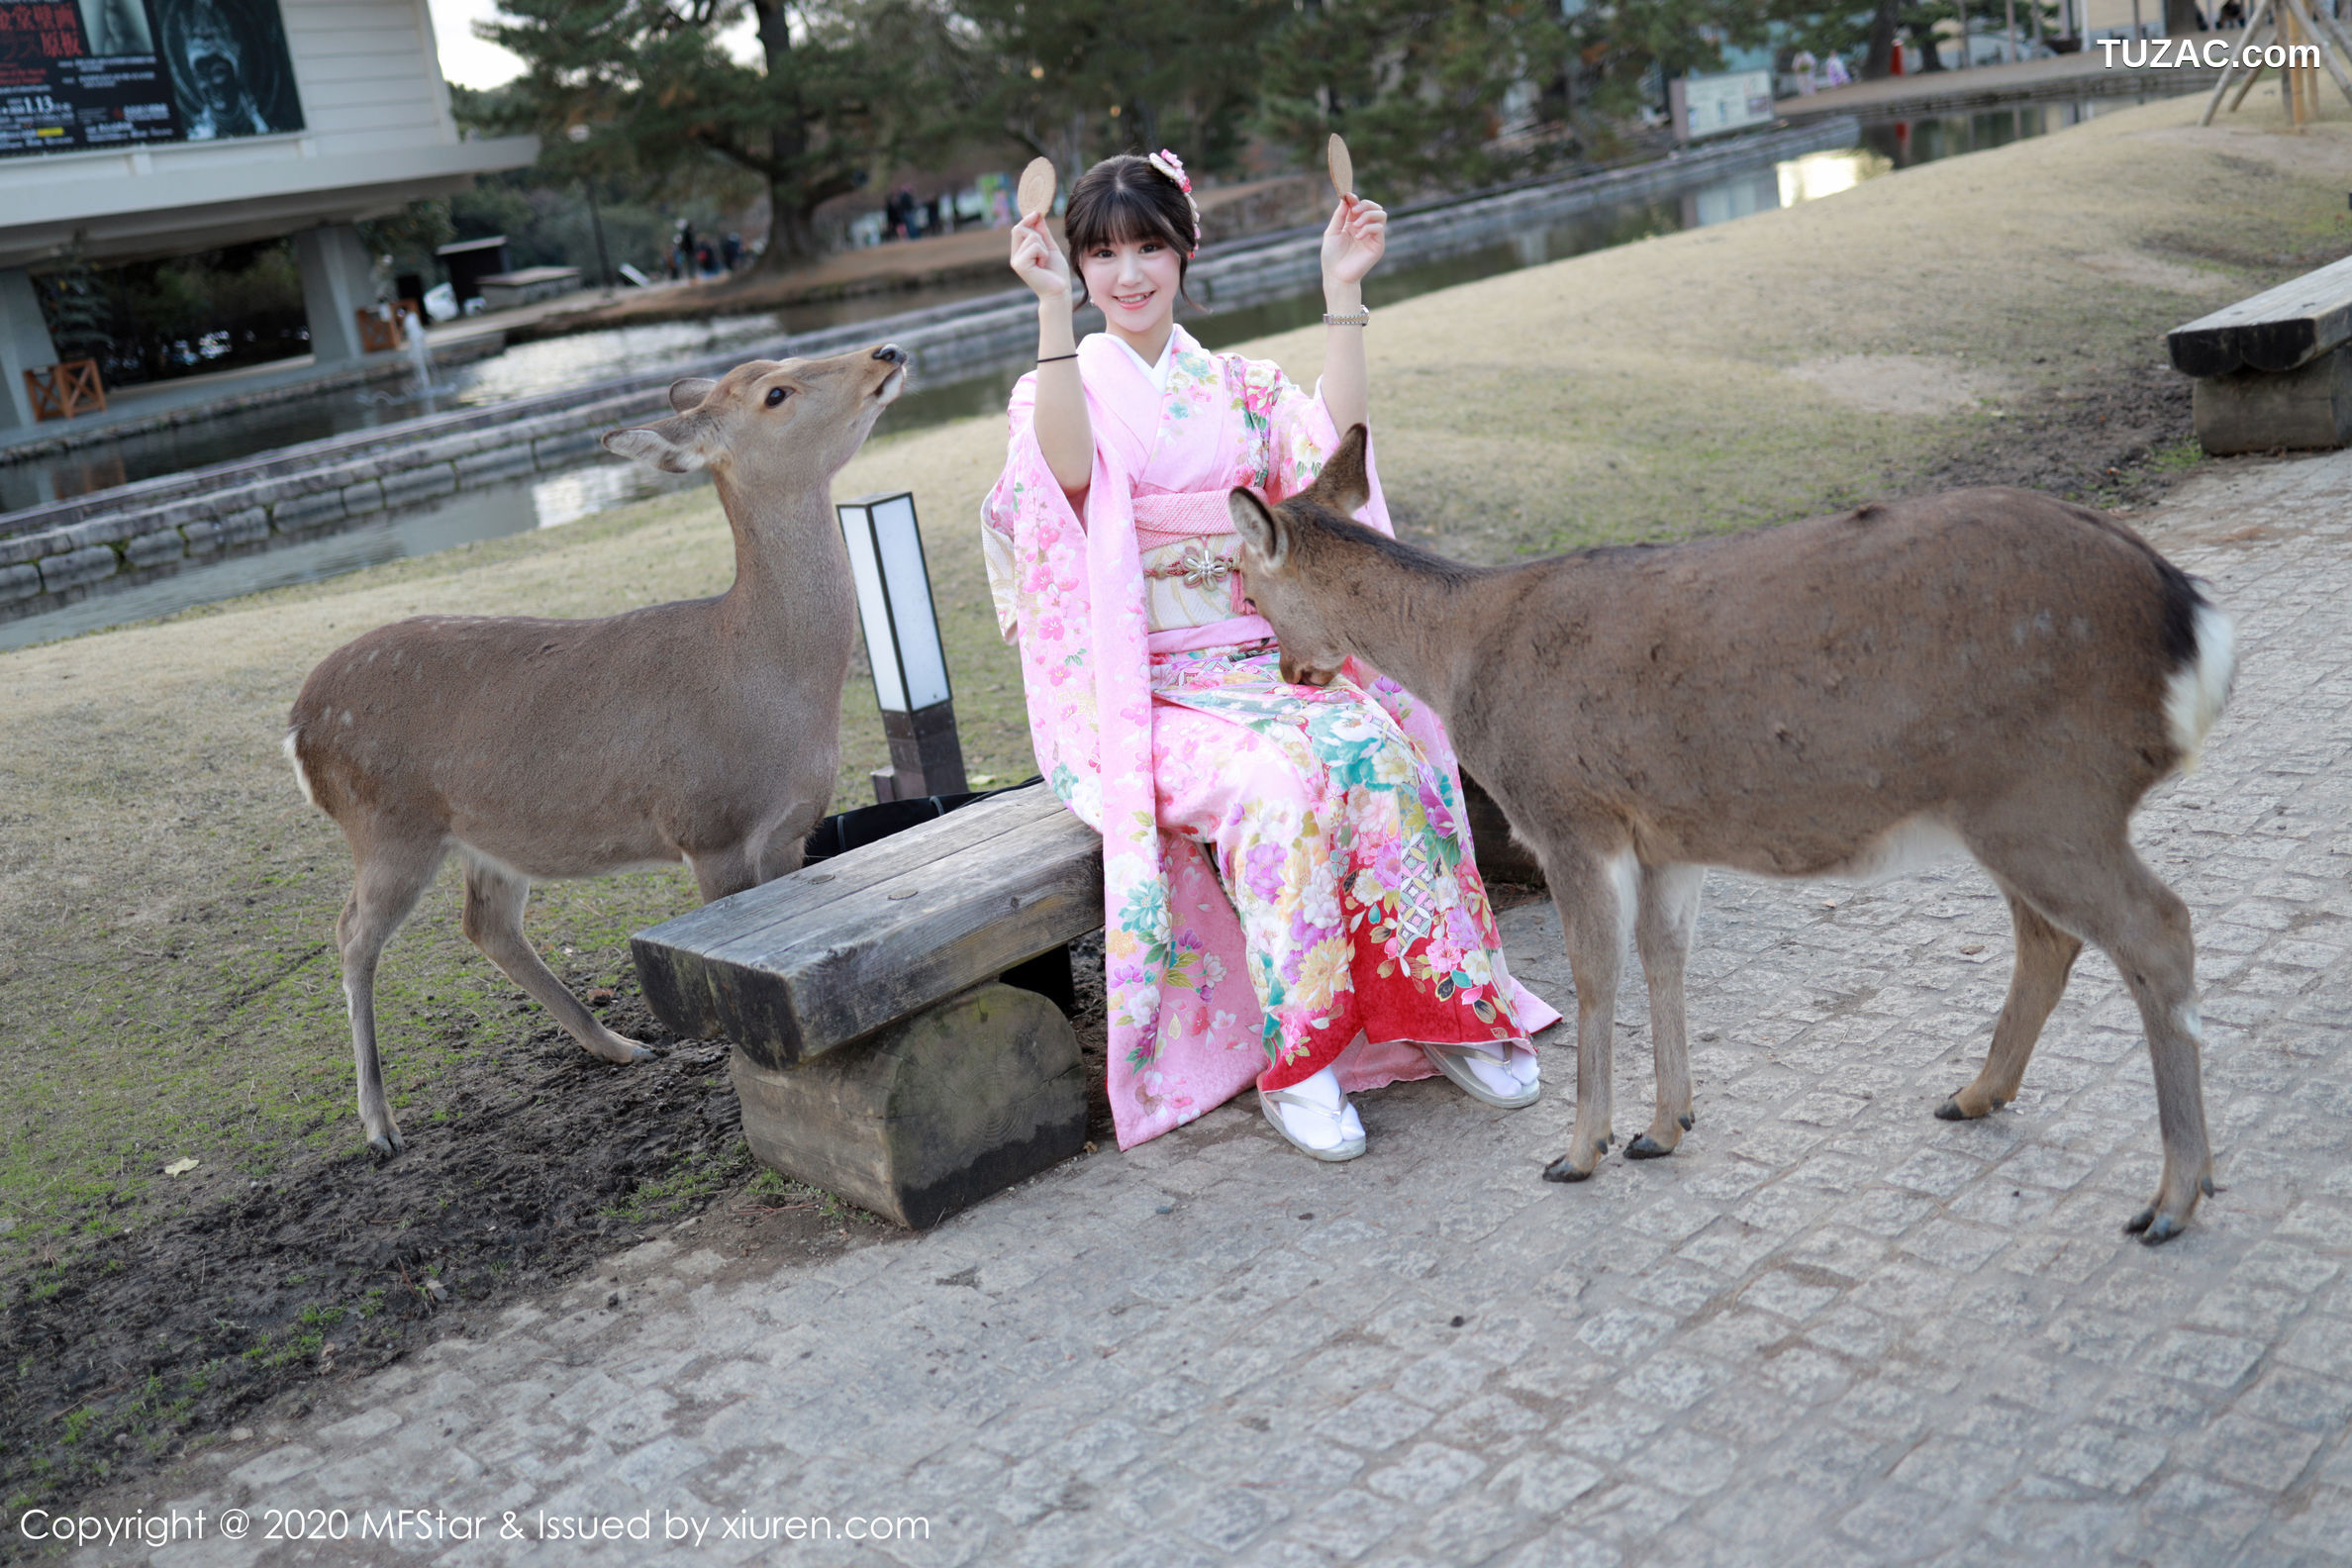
1027 483
1294 425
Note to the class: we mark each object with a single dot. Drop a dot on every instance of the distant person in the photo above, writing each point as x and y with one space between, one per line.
1835 73
731 250
2231 15
1801 65
706 264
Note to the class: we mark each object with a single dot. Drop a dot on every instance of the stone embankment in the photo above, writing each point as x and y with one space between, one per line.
61 551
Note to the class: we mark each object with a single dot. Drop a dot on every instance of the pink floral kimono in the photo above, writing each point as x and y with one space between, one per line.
1287 878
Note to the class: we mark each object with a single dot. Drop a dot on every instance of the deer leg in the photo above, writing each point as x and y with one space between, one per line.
2046 957
392 876
2116 901
1586 889
494 899
1662 936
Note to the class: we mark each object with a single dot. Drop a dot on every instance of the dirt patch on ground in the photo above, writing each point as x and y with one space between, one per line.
333 1267
1900 383
2131 267
2118 439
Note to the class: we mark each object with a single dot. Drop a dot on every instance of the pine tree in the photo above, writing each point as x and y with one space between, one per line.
839 87
1421 88
1076 80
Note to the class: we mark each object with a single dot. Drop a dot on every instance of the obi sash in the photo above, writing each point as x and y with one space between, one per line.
1200 516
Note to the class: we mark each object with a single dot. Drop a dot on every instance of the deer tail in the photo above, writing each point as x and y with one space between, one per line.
294 761
2203 669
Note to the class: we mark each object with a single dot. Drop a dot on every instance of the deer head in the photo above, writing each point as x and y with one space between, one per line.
773 424
1275 544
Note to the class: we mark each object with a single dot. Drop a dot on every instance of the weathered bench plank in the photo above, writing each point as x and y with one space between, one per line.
814 961
2277 329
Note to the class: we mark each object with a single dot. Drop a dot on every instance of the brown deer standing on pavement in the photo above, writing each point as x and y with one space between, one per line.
705 732
1985 669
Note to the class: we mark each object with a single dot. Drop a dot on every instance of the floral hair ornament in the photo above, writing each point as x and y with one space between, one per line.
1170 164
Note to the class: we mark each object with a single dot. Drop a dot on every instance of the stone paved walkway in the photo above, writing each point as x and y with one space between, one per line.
1832 1331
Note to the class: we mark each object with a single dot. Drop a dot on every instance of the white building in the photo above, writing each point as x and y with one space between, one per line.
207 123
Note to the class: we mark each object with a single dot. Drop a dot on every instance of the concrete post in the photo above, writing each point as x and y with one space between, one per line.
24 345
337 284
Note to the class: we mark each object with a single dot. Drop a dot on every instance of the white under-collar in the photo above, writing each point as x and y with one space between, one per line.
1157 373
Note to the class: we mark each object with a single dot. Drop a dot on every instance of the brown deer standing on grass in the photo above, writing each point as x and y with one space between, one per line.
706 732
1985 669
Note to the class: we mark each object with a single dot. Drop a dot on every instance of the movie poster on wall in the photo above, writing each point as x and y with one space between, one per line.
107 74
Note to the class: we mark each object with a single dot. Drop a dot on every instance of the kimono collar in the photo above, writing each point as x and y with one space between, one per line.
1158 372
1126 395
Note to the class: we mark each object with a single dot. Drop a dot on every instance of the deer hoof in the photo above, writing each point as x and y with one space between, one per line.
1950 1111
2162 1229
385 1144
1646 1147
1687 1121
1565 1169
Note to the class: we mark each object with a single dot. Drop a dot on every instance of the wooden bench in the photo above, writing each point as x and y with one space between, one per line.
2274 370
880 1050
877 1052
62 390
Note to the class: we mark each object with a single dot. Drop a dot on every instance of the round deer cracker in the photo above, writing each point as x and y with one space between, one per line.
1037 187
1343 166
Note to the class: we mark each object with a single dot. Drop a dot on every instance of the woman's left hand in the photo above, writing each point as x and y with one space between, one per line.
1353 240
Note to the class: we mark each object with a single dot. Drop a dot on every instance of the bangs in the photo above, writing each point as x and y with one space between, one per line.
1125 211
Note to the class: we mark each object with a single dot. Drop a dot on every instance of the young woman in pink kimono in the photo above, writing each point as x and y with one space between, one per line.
1290 895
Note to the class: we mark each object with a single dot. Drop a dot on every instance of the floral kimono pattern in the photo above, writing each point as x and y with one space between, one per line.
1342 919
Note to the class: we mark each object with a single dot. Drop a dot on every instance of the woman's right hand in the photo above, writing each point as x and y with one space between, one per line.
1038 261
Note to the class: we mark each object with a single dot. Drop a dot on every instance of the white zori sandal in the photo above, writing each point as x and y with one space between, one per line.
1315 1118
1508 1082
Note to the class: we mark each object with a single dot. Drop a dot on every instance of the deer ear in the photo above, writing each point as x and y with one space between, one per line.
667 445
686 396
1259 527
1343 485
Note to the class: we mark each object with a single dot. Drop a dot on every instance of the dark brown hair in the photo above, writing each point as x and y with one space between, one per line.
1123 198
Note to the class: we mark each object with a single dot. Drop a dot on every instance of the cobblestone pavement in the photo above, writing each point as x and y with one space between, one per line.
1832 1331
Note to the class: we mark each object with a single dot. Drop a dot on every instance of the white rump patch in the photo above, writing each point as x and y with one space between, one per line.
294 761
1912 844
2197 691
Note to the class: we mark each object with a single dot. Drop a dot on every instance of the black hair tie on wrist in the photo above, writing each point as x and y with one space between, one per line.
1050 359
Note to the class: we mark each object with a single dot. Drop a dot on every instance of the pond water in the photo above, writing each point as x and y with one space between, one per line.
549 501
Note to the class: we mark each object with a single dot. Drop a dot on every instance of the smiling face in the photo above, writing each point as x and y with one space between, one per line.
1134 281
1129 232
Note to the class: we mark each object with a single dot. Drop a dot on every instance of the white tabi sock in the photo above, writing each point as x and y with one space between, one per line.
1316 1132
